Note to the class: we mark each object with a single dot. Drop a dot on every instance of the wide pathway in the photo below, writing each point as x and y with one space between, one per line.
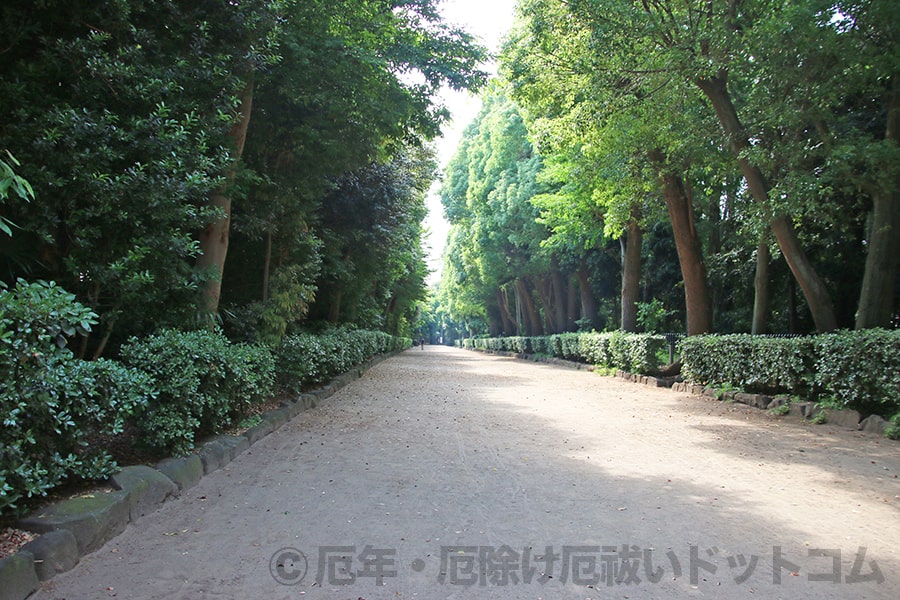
448 474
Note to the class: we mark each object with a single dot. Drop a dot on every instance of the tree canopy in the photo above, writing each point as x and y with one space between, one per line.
744 153
167 141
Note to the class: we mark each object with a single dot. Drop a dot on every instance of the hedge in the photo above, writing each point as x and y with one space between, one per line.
305 359
853 369
633 352
203 384
54 406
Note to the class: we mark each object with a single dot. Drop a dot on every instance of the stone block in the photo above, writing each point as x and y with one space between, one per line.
54 552
185 471
873 424
234 445
214 456
323 392
258 432
18 576
309 401
755 400
293 407
93 519
843 417
804 410
277 417
146 488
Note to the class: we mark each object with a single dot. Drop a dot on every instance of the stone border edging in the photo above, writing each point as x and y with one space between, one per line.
73 528
806 411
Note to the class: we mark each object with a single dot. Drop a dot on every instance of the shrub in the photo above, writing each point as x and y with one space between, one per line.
204 382
859 369
305 359
855 369
52 405
619 350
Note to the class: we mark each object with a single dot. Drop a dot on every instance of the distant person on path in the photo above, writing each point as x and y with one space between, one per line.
422 343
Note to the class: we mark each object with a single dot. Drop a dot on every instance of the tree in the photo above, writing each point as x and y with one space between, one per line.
361 51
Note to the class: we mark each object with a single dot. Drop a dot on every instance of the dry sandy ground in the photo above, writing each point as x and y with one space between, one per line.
450 474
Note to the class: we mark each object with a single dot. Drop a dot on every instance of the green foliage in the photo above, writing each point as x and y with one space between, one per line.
204 384
853 369
859 369
53 406
10 181
305 360
893 429
651 316
631 352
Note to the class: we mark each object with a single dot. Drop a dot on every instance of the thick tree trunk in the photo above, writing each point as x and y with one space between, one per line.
814 290
876 298
214 238
687 245
509 322
558 296
631 272
588 303
543 287
267 265
532 318
572 304
334 309
761 289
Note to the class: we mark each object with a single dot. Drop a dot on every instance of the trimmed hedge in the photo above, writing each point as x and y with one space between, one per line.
633 352
53 405
203 384
305 360
853 369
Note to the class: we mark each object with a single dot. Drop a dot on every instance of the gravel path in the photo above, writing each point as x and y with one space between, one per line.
448 474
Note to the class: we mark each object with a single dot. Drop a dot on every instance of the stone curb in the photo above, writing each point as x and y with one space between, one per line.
73 528
805 411
846 418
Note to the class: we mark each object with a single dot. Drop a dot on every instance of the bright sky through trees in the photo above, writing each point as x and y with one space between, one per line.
489 20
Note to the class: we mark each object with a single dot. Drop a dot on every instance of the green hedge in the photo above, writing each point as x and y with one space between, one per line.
203 384
633 352
54 406
854 369
305 359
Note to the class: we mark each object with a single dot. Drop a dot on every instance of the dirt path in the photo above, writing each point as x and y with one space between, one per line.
561 483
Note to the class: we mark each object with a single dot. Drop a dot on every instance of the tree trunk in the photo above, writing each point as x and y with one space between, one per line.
817 297
543 287
631 272
214 238
509 323
761 289
334 309
876 298
572 304
687 244
558 296
588 304
532 318
267 265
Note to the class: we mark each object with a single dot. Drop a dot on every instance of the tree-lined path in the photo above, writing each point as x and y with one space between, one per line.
440 459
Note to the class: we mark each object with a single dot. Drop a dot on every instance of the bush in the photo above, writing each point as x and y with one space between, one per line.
859 369
52 405
854 369
305 360
203 381
618 350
